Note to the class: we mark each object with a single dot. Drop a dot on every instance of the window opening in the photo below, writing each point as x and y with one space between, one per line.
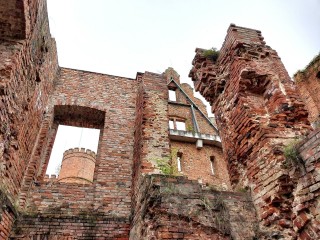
71 137
212 164
181 125
171 124
177 124
172 95
179 156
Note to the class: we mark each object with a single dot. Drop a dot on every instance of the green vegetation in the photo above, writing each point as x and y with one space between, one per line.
315 59
211 54
293 158
168 166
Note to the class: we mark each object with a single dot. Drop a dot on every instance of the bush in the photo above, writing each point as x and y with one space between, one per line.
211 54
293 158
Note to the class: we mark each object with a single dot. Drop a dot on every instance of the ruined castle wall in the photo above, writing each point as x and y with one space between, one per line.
196 164
155 133
306 173
28 68
181 112
308 85
258 111
178 208
98 91
151 128
85 99
12 19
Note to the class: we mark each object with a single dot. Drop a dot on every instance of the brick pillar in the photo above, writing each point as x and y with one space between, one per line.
257 110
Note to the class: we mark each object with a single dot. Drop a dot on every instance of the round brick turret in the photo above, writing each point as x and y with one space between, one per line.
77 166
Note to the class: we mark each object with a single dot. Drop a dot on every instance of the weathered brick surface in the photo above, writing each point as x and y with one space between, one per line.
74 103
257 110
195 162
151 128
177 208
12 19
88 226
306 174
8 214
308 85
196 165
77 166
6 223
28 67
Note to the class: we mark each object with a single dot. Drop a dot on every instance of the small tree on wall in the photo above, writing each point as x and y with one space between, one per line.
211 54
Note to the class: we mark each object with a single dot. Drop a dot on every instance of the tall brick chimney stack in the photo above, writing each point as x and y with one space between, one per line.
258 111
77 166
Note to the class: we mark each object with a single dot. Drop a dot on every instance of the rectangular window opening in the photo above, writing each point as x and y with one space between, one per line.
69 137
179 156
172 95
181 125
171 124
212 164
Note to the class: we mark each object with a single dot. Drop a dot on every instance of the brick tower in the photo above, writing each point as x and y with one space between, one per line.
77 166
258 111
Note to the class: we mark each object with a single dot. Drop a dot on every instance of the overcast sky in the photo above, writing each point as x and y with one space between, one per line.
123 37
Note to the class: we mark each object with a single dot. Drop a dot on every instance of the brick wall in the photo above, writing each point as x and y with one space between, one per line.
88 226
151 128
28 68
308 85
306 173
257 110
12 19
177 208
196 164
8 213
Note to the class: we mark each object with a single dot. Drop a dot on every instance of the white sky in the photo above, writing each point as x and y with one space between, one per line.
123 37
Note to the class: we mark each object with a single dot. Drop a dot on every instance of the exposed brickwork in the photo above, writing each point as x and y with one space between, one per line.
308 85
257 109
177 208
196 164
8 214
306 209
77 166
28 67
12 19
74 104
86 225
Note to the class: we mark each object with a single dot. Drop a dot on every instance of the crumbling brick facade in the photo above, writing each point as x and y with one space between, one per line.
204 163
132 191
258 111
308 85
